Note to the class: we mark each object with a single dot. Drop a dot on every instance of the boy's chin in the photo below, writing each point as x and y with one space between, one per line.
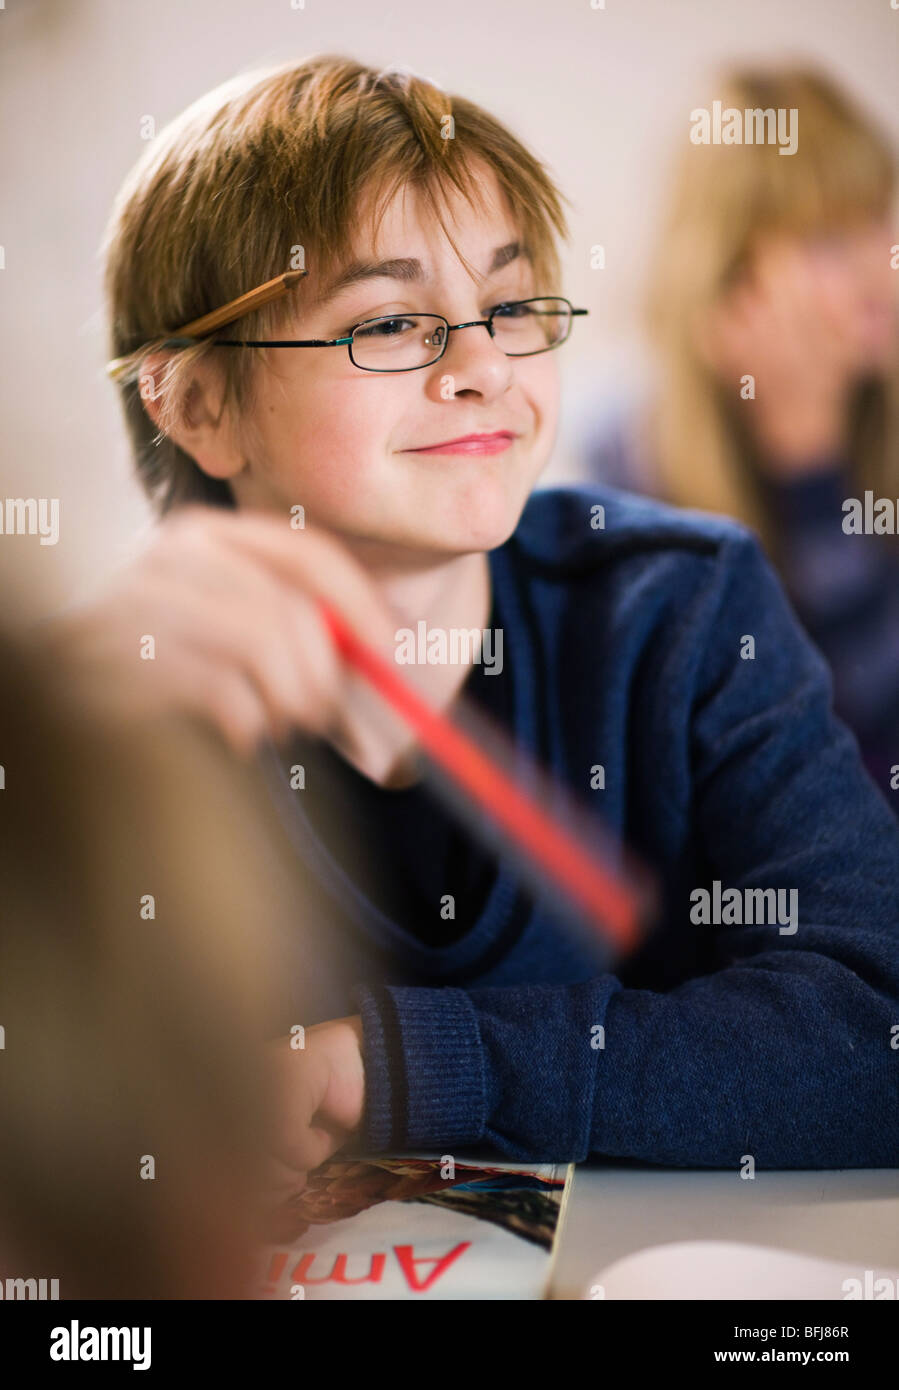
448 521
479 529
479 517
448 544
443 540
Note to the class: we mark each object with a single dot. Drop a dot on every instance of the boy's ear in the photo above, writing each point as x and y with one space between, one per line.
196 419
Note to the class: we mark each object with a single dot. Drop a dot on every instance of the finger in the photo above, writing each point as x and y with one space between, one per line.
280 1214
235 613
317 563
222 696
280 1182
318 1142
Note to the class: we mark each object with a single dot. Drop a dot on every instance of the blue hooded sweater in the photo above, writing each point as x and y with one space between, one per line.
656 643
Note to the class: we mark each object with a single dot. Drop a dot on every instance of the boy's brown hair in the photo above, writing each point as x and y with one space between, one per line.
266 169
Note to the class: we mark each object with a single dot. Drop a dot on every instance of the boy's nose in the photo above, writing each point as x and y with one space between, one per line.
474 362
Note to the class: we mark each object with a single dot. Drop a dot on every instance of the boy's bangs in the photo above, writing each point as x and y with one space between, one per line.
437 187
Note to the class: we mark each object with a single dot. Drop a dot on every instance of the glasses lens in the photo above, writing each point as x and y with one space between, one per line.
399 342
531 325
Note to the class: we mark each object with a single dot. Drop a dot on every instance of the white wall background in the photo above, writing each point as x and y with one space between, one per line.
602 95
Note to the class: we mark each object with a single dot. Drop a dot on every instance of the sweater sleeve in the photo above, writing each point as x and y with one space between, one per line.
787 1050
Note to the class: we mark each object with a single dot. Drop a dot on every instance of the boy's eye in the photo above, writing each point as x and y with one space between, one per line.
387 328
511 309
395 326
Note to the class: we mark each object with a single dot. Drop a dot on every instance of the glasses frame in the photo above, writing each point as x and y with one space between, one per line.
195 332
348 342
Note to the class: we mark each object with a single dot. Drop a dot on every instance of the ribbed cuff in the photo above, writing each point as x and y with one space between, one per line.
424 1068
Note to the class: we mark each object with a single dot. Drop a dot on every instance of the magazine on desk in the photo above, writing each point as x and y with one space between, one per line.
416 1226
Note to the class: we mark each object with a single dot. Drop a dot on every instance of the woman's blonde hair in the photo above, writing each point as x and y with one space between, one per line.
268 163
724 198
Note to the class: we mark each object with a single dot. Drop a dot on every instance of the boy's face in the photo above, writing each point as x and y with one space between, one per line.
349 445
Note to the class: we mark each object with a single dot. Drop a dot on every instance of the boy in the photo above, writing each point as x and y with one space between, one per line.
649 644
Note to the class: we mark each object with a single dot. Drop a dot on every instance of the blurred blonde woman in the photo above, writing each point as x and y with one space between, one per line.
774 319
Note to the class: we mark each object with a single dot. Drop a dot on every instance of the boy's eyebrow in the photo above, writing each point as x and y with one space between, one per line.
404 268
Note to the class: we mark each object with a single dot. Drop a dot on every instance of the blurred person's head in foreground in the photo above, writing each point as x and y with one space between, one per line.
775 262
140 893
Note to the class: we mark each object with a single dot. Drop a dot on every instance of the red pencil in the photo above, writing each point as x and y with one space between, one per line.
609 902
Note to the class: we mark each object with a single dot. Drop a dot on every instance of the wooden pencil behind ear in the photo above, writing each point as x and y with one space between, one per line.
218 318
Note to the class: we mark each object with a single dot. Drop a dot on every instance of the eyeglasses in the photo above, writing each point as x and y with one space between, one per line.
406 342
393 342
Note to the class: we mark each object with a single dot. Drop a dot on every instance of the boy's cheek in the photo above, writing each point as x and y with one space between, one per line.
544 441
543 392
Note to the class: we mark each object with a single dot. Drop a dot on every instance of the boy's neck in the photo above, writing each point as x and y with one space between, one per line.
451 594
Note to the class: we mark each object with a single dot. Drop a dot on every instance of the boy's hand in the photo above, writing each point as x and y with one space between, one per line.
319 1093
230 601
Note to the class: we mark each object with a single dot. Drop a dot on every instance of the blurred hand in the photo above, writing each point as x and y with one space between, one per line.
319 1093
230 599
782 324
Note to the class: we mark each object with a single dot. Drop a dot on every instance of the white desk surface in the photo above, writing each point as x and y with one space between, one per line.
610 1211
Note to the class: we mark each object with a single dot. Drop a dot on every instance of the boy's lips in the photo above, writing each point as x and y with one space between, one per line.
492 443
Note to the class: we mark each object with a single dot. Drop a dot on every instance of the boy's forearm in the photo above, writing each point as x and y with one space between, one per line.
786 1059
